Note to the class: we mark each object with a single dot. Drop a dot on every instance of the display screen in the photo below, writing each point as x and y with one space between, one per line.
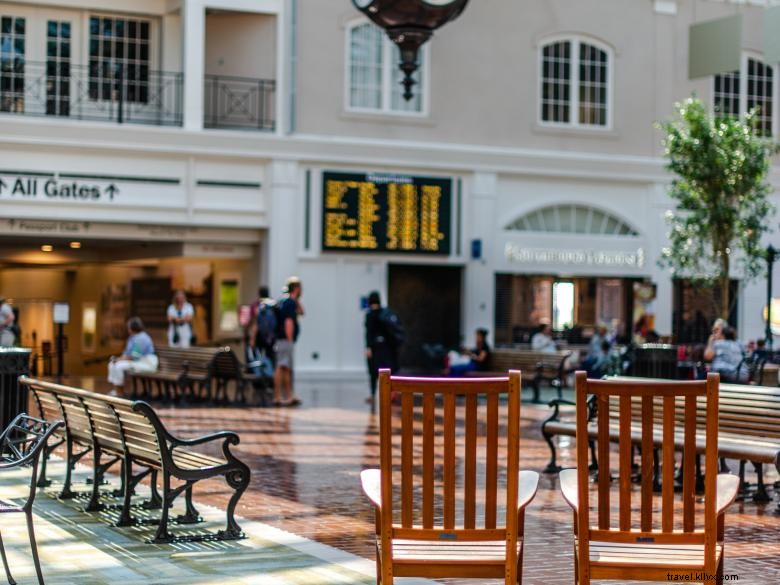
390 213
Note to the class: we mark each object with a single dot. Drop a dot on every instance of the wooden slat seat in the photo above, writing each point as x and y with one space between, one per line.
661 556
445 553
131 432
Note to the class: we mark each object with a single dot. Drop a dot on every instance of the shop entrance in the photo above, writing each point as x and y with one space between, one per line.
428 301
573 306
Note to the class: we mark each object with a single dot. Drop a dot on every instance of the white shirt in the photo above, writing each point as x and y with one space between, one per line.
542 342
184 330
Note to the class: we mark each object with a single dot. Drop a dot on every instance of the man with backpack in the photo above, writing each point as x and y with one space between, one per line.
262 335
288 309
384 338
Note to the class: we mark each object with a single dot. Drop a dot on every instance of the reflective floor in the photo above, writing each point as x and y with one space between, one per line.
306 463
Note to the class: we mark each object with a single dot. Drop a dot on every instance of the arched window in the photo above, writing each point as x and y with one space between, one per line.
737 92
373 76
572 219
575 84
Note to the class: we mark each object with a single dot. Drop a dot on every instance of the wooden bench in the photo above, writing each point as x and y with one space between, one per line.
226 367
749 428
182 373
537 367
120 430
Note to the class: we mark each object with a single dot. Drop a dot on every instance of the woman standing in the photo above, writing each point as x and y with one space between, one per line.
180 314
138 355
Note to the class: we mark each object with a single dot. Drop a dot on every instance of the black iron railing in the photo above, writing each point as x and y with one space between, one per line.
239 103
116 93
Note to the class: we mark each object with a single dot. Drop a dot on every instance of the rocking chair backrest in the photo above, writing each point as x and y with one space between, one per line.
441 447
625 406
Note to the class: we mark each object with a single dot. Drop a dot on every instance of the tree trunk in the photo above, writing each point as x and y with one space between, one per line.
723 283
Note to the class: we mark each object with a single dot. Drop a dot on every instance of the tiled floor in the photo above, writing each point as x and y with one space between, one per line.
306 463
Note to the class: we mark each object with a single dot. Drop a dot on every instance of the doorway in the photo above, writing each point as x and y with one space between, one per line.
427 299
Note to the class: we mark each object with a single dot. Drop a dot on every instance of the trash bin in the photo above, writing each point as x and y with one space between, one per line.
14 362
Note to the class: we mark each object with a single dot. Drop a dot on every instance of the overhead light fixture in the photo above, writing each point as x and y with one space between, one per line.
409 24
75 245
47 248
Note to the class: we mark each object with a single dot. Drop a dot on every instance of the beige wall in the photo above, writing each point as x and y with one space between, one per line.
241 45
484 72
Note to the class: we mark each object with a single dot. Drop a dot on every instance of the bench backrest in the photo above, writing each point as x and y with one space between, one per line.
745 410
198 360
651 394
96 419
503 360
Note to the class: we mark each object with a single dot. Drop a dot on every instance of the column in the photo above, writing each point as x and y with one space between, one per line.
193 53
479 204
283 243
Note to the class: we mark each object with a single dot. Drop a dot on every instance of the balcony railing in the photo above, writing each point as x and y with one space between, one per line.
239 103
116 93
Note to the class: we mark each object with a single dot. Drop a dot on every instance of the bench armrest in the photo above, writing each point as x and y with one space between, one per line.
568 481
528 483
228 436
371 480
727 486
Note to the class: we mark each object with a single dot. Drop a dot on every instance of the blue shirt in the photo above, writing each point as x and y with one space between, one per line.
288 308
139 345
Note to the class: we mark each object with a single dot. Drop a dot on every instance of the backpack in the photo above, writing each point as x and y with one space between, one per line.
267 323
394 330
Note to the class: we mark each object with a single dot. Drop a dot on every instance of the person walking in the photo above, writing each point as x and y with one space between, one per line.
7 318
384 336
180 314
138 355
290 308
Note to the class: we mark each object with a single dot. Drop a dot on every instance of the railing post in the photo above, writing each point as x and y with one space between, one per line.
120 111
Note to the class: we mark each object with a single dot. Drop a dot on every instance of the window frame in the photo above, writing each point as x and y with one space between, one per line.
743 89
574 102
387 77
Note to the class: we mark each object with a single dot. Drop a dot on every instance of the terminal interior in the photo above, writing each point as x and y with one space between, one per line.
103 281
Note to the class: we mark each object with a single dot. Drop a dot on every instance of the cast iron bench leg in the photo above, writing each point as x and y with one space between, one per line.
238 479
191 515
761 494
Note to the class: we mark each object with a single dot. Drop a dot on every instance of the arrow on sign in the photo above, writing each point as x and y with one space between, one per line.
112 190
2 186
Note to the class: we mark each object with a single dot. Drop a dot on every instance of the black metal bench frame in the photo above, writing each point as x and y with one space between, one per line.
236 473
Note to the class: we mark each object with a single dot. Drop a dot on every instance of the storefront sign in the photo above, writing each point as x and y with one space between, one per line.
34 226
388 213
581 257
52 188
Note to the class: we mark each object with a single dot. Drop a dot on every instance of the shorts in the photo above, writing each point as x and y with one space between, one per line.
284 353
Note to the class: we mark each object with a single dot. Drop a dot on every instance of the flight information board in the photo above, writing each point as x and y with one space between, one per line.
389 213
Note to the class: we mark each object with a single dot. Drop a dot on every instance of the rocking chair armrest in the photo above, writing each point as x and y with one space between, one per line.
371 480
568 481
527 484
727 486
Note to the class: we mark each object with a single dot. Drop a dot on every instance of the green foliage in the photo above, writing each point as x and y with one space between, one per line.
720 166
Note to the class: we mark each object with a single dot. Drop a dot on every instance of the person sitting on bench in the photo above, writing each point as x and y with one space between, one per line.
138 355
471 360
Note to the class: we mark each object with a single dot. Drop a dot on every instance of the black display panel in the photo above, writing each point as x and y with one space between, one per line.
389 213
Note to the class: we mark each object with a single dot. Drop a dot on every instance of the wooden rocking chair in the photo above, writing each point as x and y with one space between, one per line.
418 533
688 541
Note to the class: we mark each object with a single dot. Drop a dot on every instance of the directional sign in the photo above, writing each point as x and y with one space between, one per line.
24 187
